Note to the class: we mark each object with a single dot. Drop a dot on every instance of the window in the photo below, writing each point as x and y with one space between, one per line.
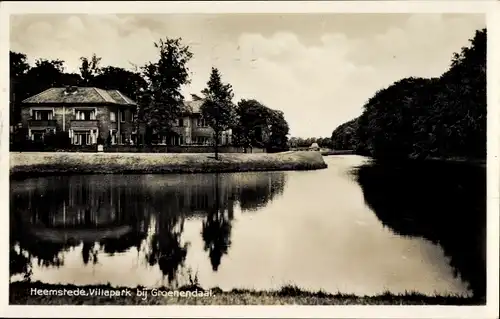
122 116
82 138
112 116
181 122
85 115
201 122
176 140
112 133
37 136
43 115
201 140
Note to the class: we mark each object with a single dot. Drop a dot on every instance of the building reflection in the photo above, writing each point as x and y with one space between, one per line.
102 214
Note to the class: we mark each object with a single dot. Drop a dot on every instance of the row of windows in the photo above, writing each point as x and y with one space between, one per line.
200 122
86 115
90 137
81 115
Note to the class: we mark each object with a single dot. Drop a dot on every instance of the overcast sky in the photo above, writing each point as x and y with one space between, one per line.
318 69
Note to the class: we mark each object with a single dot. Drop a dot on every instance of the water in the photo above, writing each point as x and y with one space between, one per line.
392 229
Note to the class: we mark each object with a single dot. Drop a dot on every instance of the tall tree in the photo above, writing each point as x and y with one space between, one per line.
18 69
89 69
18 64
162 99
218 108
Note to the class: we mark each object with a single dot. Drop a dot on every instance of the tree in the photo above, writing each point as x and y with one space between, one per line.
217 108
261 126
44 75
252 125
129 83
279 129
421 118
162 99
89 69
325 142
344 136
71 79
18 69
18 64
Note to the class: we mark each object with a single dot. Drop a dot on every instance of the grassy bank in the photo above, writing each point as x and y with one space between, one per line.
31 164
289 295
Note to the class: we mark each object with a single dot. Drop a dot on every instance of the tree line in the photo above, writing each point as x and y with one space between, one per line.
156 87
426 117
300 142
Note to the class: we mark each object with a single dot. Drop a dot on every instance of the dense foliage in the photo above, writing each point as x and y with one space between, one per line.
299 142
259 126
420 118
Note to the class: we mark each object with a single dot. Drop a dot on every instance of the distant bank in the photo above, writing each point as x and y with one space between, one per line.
35 164
464 160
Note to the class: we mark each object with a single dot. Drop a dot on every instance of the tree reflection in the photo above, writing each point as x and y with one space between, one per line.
102 214
259 189
165 248
442 202
216 228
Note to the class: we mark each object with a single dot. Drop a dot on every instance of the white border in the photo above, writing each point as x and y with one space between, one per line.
489 7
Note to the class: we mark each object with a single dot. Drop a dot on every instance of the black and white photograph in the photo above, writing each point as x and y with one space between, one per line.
273 158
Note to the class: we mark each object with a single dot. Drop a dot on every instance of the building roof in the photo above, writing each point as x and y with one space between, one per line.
193 107
314 145
80 95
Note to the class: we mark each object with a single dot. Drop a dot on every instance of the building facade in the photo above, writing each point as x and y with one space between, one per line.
86 113
90 113
192 129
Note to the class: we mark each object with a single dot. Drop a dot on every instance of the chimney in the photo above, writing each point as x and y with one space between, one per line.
70 89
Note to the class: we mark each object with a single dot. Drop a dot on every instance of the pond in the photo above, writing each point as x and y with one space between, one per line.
354 227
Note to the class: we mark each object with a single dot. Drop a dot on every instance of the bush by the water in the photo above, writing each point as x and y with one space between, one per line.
419 118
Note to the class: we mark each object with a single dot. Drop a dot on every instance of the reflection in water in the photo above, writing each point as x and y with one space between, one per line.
216 229
110 215
399 229
442 202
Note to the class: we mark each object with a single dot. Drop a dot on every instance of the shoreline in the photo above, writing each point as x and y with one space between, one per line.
452 160
29 164
21 293
337 152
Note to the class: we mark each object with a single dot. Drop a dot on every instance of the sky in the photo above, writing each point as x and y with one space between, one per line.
319 69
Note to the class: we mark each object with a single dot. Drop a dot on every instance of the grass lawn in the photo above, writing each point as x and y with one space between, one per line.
34 163
22 293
